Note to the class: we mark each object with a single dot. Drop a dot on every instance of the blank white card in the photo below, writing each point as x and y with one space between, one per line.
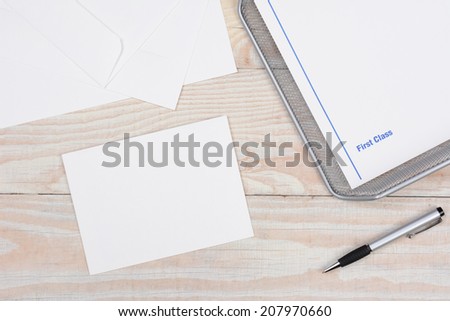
133 214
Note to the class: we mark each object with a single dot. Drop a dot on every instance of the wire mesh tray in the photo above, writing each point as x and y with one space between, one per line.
309 131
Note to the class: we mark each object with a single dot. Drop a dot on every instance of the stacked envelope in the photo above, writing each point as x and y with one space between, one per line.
58 56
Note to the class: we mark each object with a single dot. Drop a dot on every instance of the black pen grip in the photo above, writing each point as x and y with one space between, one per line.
355 255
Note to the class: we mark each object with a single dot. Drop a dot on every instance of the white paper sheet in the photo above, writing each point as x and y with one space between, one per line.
374 74
131 215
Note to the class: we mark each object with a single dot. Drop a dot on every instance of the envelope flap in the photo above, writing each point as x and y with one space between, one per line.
75 32
23 44
133 21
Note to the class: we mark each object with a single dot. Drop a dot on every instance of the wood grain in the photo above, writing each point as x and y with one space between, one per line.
298 227
42 255
30 159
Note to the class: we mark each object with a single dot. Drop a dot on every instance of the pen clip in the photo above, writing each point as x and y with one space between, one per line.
425 228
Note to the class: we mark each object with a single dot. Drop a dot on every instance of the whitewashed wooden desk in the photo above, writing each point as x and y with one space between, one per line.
299 227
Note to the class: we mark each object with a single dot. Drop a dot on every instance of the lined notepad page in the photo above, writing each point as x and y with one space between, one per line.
375 74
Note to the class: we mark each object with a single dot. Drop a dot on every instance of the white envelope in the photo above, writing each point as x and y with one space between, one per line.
96 44
73 30
130 215
213 55
23 44
31 51
3 5
199 49
33 76
154 71
28 94
132 21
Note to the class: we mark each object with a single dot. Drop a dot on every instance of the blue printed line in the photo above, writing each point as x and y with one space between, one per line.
313 89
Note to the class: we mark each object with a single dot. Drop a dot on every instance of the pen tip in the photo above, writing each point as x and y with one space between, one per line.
332 267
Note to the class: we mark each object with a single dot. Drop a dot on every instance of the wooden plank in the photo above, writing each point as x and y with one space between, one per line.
244 52
41 255
230 10
30 154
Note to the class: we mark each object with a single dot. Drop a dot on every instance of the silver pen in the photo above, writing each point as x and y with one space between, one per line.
417 226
